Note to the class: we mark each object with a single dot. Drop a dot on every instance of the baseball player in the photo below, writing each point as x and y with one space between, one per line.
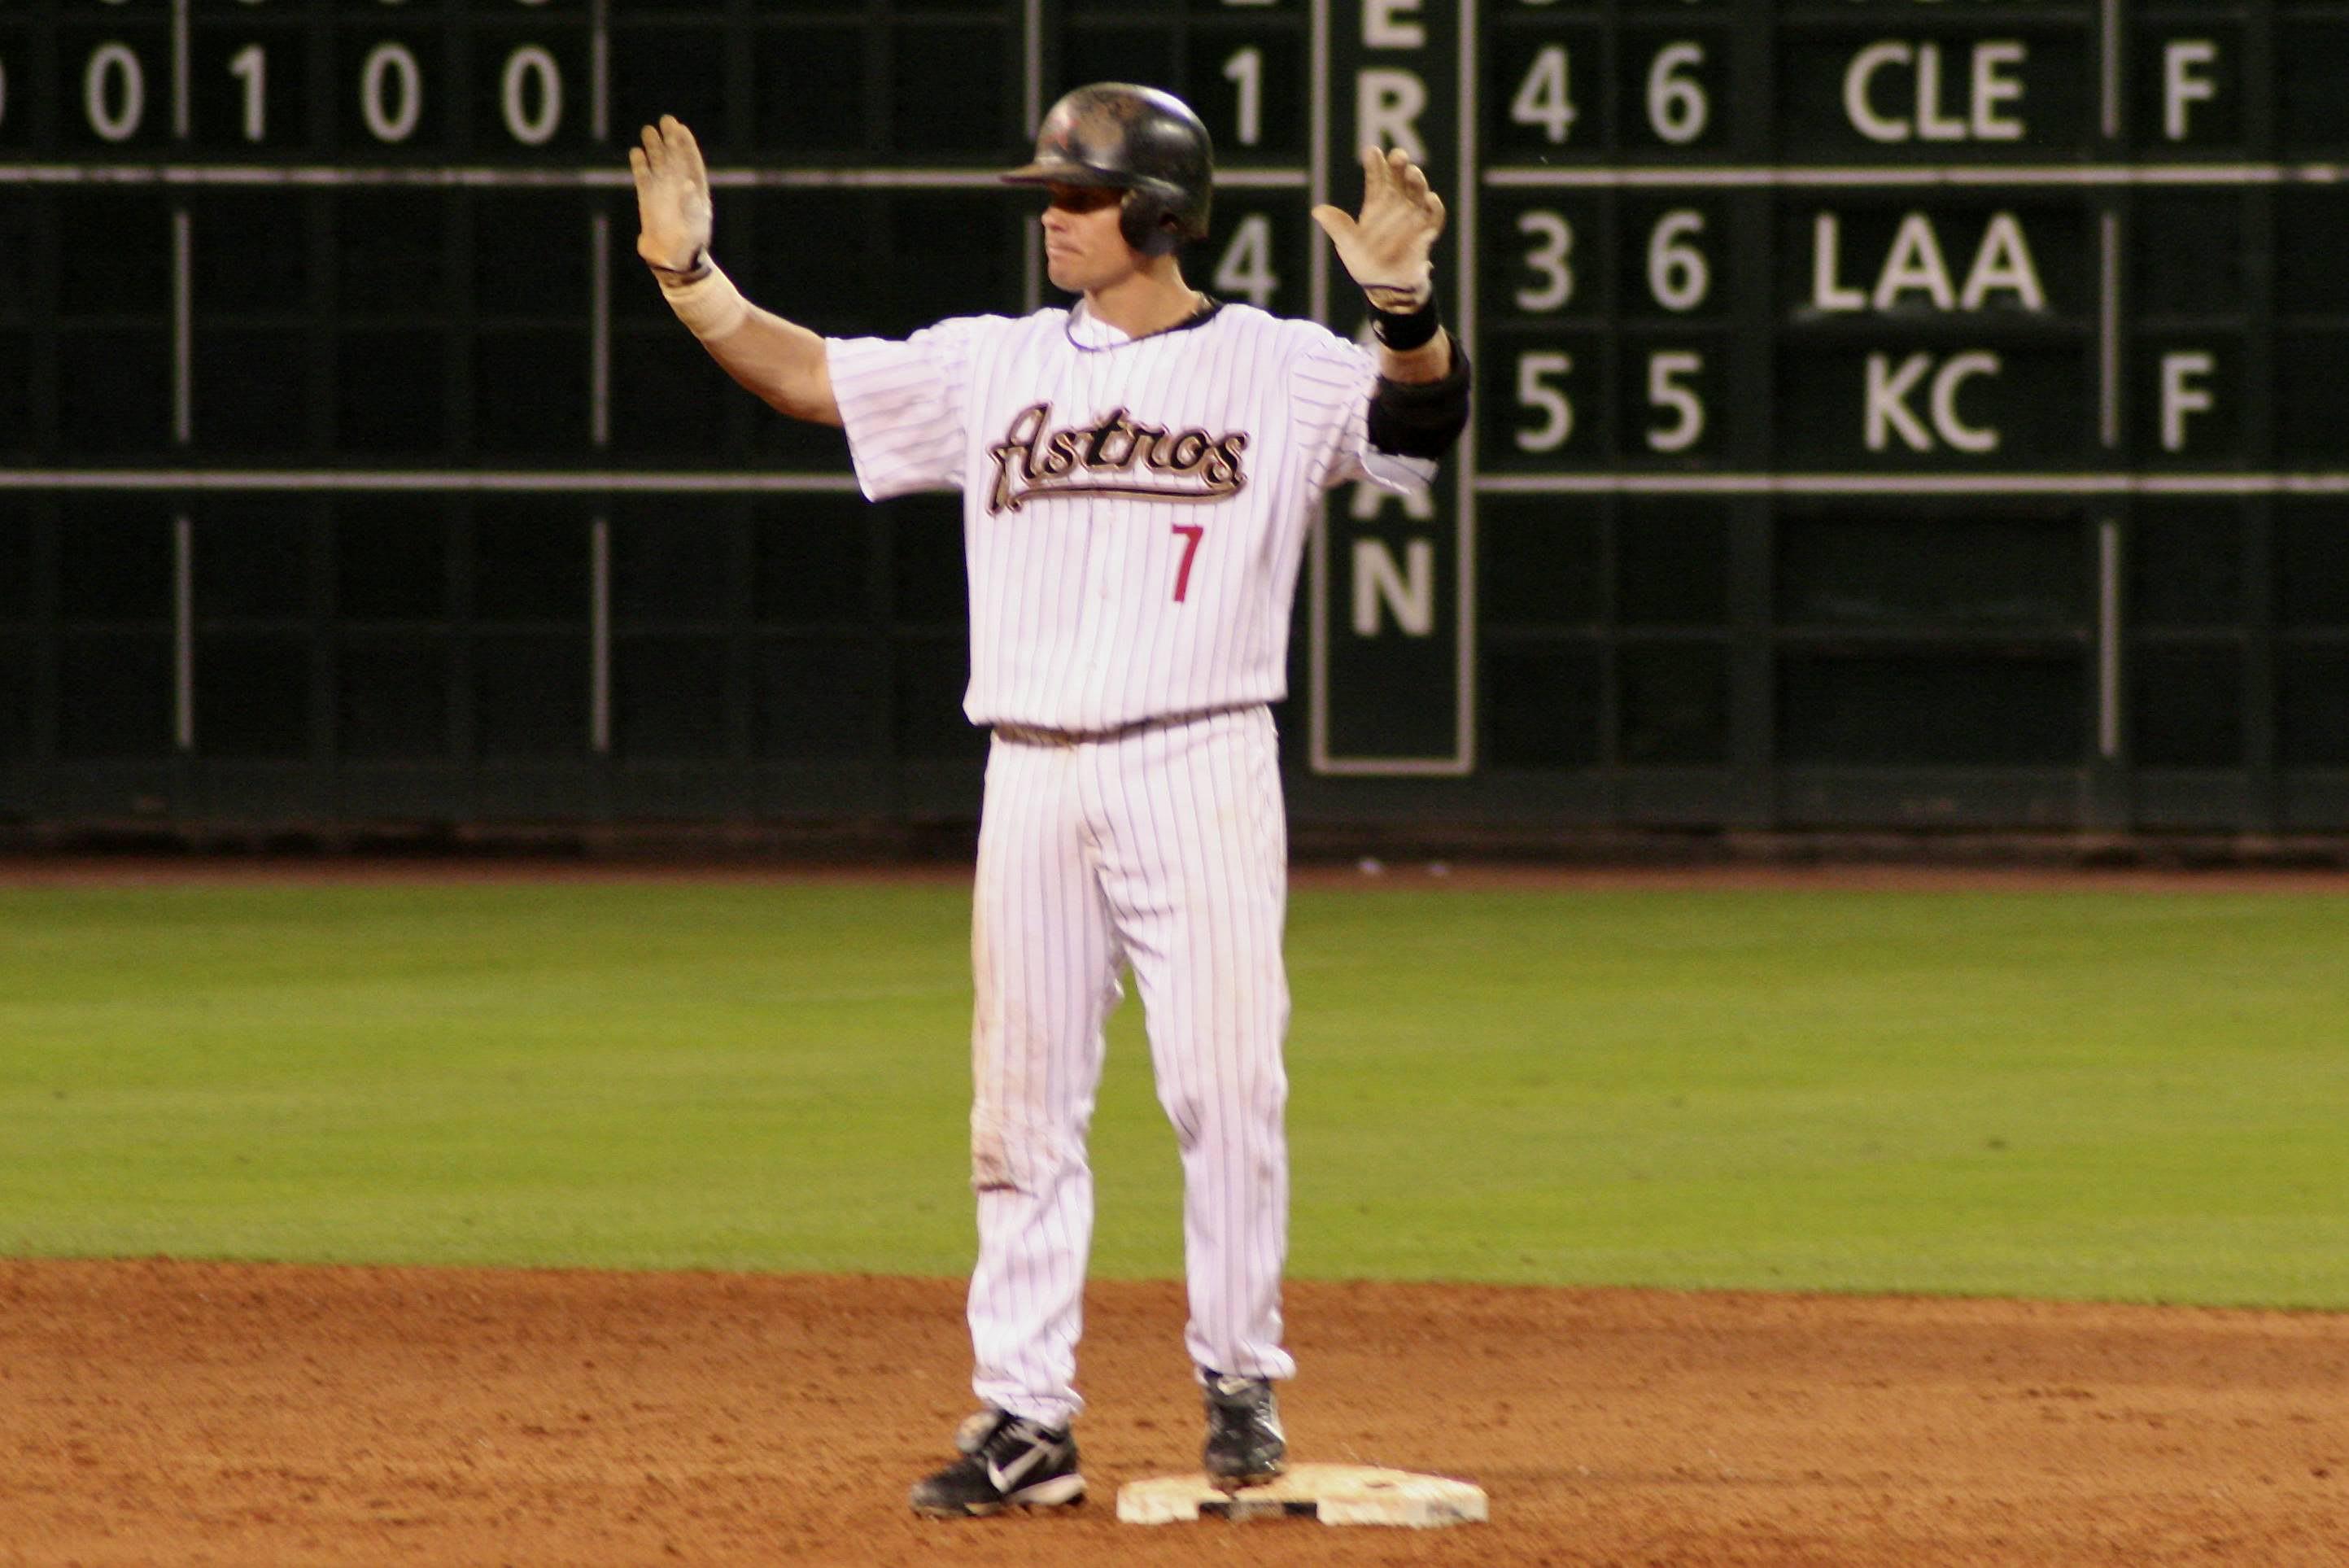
1139 473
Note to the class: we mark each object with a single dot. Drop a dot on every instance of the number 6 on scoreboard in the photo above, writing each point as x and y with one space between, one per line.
1677 274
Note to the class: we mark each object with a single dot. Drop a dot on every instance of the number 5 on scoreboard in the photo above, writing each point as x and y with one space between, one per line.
1537 390
1668 391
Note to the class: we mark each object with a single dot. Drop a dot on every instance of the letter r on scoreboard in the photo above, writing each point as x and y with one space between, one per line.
1390 578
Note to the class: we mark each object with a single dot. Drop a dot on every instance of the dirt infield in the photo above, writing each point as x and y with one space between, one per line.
163 1412
184 1413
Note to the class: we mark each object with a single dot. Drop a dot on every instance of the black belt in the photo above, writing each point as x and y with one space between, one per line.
1035 735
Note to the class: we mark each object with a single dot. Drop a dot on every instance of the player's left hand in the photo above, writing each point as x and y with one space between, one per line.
1386 248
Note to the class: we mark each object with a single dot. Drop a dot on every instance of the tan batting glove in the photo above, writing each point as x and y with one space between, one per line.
1386 248
672 212
673 221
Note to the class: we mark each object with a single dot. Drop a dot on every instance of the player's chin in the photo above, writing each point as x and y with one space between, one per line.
1068 273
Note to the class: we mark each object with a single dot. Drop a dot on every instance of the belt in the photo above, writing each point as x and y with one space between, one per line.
1035 735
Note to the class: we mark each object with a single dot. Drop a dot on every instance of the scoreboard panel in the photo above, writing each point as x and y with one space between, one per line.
1888 412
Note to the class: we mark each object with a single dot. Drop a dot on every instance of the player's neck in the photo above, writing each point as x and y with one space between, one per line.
1149 299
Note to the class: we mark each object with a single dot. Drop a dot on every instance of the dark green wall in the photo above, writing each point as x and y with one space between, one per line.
1888 415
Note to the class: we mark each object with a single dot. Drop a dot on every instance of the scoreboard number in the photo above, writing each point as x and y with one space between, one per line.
1245 70
1536 392
1549 259
1543 98
530 72
250 67
1678 275
1666 391
1677 106
392 92
114 92
1245 266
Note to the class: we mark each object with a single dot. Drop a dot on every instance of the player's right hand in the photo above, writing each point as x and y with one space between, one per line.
672 212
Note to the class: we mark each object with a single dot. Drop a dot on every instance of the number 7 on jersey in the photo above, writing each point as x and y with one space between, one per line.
1192 533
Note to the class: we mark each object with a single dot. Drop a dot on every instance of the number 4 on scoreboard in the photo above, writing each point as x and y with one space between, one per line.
1544 99
1245 269
1679 111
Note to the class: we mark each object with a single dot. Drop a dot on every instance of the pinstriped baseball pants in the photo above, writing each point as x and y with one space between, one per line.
1163 849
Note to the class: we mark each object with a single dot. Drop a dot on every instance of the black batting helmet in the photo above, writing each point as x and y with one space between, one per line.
1137 139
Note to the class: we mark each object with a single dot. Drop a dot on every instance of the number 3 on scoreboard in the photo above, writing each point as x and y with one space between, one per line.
1548 258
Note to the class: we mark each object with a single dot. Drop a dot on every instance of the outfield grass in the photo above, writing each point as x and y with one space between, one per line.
2120 1095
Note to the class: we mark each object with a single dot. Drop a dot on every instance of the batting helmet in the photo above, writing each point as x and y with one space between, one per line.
1136 139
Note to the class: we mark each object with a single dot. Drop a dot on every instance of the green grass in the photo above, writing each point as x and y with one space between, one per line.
2120 1095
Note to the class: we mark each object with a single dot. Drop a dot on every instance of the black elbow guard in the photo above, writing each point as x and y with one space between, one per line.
1422 419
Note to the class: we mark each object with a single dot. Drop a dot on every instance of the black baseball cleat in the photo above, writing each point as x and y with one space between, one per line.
1007 1461
1244 1444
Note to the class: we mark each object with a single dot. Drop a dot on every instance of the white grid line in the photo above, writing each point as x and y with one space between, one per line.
633 481
482 177
2108 327
614 176
2108 639
600 636
599 70
183 633
183 329
181 117
436 481
2007 484
599 329
1798 176
1464 455
2109 69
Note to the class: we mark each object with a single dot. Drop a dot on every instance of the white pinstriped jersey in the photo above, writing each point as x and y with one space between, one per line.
1134 510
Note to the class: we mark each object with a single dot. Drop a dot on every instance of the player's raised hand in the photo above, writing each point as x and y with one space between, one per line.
1386 248
672 212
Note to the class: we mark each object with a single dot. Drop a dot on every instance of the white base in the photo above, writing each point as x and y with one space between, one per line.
1334 1494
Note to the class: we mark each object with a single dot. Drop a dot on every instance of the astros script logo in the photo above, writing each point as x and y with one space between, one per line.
1114 456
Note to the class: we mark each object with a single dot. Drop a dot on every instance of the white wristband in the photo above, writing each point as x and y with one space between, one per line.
711 305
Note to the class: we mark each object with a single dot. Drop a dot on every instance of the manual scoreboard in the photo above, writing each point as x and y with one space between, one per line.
1888 412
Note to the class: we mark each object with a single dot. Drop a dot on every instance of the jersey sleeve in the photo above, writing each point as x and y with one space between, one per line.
905 404
1339 379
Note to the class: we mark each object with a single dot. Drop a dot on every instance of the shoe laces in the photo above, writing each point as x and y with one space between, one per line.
1231 1389
972 1435
1003 1433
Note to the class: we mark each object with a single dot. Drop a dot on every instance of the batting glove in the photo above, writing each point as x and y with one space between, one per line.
673 213
1385 250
